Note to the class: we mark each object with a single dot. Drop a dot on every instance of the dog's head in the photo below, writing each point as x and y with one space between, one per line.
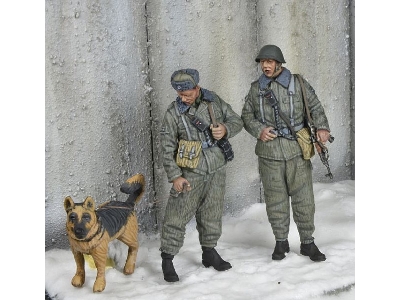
81 218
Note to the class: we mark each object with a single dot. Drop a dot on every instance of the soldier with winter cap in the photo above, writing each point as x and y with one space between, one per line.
275 121
196 167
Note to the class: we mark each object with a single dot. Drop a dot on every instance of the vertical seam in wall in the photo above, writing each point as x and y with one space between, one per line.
257 21
351 10
257 42
150 110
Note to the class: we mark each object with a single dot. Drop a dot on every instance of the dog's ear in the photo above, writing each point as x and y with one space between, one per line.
88 203
68 204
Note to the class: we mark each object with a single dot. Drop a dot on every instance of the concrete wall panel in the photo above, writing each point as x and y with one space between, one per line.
314 37
218 38
108 68
97 117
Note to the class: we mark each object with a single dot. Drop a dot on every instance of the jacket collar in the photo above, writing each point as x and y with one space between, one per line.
205 95
283 79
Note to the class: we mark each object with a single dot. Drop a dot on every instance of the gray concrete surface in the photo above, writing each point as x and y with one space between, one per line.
108 68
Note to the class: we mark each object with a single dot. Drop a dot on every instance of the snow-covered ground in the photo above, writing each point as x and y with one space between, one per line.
247 243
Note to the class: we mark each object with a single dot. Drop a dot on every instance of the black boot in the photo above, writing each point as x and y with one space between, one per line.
210 257
168 268
312 251
280 248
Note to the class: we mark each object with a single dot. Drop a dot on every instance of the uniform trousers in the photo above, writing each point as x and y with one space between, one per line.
205 201
285 183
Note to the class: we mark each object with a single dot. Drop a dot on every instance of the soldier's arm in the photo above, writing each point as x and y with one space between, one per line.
169 144
251 124
316 109
231 120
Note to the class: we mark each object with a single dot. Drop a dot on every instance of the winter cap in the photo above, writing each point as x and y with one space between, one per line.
185 79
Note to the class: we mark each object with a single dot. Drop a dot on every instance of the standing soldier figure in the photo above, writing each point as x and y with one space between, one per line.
274 113
196 166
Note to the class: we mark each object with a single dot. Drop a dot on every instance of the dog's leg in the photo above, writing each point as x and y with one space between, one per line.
99 255
131 258
130 238
79 279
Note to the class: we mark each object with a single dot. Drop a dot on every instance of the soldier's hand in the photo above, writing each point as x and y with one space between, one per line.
219 131
323 135
266 134
181 184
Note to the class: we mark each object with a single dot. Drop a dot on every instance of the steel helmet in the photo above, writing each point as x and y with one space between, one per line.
272 52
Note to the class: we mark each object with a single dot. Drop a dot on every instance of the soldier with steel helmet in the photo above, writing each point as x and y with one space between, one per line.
274 114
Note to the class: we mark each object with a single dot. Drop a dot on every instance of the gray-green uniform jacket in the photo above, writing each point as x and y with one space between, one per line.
206 197
279 148
173 129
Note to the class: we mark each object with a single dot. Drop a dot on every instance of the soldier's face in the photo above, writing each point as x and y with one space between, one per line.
189 96
268 66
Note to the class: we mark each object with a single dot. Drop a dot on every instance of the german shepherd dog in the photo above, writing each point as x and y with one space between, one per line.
91 230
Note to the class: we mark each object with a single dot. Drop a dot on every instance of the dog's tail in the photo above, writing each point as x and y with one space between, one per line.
134 187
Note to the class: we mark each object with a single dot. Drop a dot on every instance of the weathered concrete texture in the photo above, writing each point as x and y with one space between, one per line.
108 68
314 37
218 39
352 81
97 107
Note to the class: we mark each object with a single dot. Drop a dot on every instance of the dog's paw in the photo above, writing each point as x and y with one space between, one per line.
99 285
78 281
129 269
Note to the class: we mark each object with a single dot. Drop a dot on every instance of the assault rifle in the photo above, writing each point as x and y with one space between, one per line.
321 149
222 143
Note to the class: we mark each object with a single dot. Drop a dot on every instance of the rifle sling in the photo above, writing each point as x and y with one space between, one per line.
285 119
303 90
211 111
184 121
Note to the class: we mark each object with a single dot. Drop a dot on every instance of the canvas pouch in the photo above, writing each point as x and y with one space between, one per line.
304 140
188 155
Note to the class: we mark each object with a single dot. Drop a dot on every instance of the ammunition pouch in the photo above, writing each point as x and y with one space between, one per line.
188 155
304 140
226 148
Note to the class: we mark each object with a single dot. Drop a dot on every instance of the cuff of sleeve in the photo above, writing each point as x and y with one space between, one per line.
172 178
323 128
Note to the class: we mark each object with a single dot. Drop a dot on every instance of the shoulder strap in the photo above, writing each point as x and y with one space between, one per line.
291 91
211 111
183 120
291 88
303 90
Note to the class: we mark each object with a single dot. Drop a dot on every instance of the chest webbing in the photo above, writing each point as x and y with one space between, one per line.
289 131
291 92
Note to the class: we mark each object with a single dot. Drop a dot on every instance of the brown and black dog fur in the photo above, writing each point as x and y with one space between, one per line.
90 230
